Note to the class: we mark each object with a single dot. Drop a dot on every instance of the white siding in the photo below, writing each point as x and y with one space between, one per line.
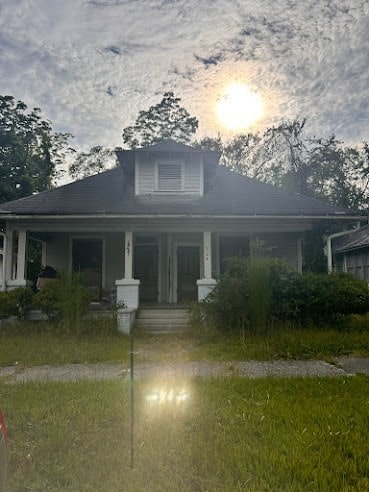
57 252
145 176
192 177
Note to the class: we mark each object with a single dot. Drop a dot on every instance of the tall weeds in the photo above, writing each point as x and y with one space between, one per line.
65 300
259 293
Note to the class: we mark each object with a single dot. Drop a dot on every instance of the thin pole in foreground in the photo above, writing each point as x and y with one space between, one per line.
132 401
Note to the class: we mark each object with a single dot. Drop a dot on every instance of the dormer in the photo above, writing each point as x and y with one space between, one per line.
169 168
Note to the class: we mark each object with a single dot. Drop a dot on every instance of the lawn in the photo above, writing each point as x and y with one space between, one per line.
32 344
290 343
233 434
29 344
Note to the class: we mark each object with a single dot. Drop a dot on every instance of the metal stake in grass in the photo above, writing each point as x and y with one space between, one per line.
132 400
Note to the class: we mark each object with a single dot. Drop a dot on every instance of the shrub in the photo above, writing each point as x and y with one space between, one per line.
66 299
46 300
7 305
17 302
260 293
255 292
247 294
321 297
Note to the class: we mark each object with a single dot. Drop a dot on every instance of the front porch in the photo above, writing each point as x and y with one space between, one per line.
145 266
166 268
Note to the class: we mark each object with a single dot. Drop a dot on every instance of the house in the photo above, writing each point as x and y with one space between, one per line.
158 228
351 253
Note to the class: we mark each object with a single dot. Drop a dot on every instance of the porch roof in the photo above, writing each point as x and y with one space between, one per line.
356 240
229 194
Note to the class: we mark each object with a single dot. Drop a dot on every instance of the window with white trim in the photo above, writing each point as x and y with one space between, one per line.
170 176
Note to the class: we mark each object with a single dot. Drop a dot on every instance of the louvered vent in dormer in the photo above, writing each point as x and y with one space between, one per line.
170 176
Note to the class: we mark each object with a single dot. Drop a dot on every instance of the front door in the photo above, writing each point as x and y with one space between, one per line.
87 259
188 272
146 271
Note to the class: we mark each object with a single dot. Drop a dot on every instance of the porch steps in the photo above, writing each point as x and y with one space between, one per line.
162 320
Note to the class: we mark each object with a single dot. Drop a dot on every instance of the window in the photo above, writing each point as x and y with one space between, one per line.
231 247
169 176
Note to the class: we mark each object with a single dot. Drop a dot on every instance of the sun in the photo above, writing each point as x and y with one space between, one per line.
239 107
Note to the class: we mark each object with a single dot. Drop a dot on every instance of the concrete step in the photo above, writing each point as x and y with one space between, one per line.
164 329
166 332
162 313
166 320
160 322
163 316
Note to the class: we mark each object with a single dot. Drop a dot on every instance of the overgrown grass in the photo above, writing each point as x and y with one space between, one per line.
232 434
30 343
288 343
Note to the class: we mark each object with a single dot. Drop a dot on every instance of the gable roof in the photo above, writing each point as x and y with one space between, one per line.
356 240
230 194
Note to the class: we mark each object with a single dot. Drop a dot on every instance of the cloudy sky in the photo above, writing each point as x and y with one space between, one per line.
91 65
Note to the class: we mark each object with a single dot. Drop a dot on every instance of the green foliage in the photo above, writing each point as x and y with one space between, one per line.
95 161
29 150
66 299
7 305
321 297
260 293
166 120
256 292
286 155
47 299
17 302
246 295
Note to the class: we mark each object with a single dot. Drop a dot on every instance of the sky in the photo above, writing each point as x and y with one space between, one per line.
92 65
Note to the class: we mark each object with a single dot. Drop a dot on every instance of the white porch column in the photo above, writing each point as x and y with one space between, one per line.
206 284
8 257
21 257
128 287
128 255
17 278
207 254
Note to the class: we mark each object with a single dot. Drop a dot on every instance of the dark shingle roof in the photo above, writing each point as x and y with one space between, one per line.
357 239
112 192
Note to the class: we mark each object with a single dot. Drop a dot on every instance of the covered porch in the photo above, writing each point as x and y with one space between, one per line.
145 262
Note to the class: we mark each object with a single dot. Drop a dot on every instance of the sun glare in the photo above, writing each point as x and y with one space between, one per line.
239 107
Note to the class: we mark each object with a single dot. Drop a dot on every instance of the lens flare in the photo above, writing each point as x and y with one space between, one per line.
239 107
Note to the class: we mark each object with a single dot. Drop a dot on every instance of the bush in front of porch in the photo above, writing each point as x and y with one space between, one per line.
17 302
65 300
257 294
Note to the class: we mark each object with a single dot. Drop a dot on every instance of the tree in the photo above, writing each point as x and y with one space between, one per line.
29 150
284 155
165 120
96 160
